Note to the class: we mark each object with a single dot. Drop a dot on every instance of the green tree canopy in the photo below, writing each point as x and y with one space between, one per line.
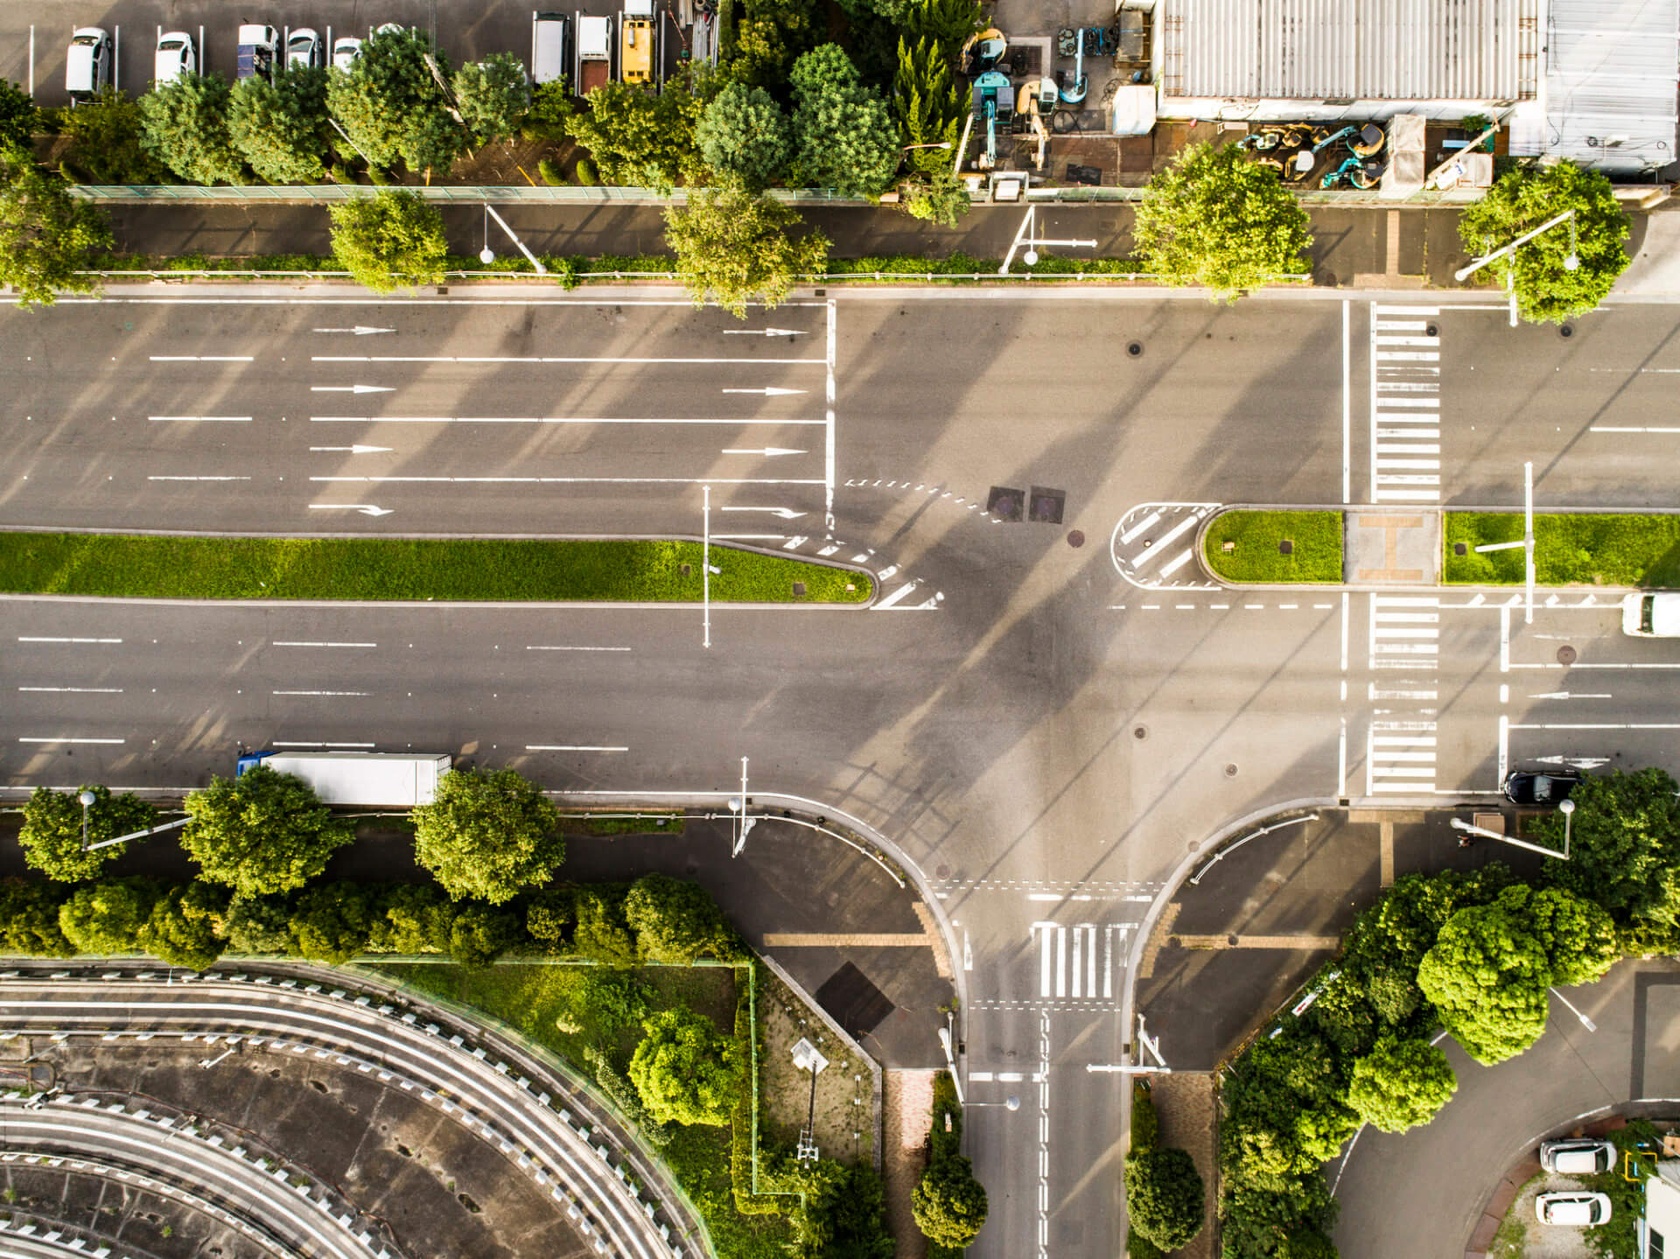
743 136
481 933
488 834
1217 219
675 921
1487 975
260 924
928 104
185 925
29 918
19 119
1578 936
186 126
46 235
389 240
950 22
1522 199
412 918
493 96
768 36
732 247
392 106
106 917
686 1071
948 1203
262 832
1164 1196
281 128
1624 849
51 836
106 142
844 134
1401 1084
332 922
638 137
602 933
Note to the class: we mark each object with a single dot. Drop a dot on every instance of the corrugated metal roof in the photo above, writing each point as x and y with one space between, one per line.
1349 49
1610 82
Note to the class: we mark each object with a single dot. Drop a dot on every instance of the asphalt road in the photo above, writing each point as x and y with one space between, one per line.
1042 737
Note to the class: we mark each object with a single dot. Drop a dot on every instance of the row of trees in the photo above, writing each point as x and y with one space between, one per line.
1474 954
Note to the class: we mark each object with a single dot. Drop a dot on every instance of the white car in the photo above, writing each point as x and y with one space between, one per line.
1577 1156
346 48
174 57
303 49
87 63
1651 615
1574 1208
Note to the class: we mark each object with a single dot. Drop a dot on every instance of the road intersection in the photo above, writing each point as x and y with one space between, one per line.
1046 743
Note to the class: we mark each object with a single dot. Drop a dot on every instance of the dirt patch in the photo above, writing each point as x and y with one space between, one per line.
1188 1109
907 1098
1521 1236
845 1104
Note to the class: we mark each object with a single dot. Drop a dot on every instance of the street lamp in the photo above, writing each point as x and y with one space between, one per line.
88 800
1009 1103
1567 808
1571 261
1585 1021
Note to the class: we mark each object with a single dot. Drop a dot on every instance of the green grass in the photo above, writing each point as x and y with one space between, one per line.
1588 549
1255 557
529 996
609 824
150 567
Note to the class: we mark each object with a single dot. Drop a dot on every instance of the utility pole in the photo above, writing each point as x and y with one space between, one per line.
1527 543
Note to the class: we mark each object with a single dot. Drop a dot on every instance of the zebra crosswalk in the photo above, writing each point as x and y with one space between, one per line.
1405 405
1080 961
1400 743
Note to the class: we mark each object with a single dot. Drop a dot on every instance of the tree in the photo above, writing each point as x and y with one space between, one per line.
1578 937
732 247
183 927
488 834
412 918
602 933
1217 219
493 96
46 235
928 104
261 833
948 1203
950 22
675 921
19 119
392 106
332 923
481 933
1487 976
1164 1196
844 134
281 128
769 35
686 1071
259 924
106 146
107 917
51 836
1624 845
1547 289
548 915
389 240
640 138
743 136
941 199
1401 1084
186 126
29 918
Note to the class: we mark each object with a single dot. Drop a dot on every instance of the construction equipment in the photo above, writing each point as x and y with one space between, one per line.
992 105
983 51
1036 102
1073 92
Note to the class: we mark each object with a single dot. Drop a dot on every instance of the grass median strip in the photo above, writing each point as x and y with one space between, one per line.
1570 549
393 569
1255 546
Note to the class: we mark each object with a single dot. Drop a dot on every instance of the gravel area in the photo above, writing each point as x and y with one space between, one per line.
1524 1237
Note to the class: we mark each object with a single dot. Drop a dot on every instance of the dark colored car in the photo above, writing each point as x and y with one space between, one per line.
1546 788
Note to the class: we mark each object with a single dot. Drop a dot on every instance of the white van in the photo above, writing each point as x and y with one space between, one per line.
1652 615
87 65
548 47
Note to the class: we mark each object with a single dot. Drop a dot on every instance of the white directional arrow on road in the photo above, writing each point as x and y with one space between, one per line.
359 330
786 513
760 332
769 391
769 452
367 509
356 450
1572 695
352 389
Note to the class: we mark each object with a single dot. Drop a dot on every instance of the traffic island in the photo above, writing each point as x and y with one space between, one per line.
1258 546
1570 549
148 566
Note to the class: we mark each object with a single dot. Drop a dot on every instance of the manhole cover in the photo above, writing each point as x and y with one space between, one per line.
1076 538
1140 733
1461 548
1431 330
942 870
1566 332
1005 503
1566 654
1286 547
1194 845
1231 771
1135 349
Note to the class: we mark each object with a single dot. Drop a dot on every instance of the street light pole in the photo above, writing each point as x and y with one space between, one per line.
1585 1021
1571 260
1567 808
88 800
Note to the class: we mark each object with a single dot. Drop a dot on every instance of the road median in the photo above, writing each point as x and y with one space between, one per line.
1570 549
1265 546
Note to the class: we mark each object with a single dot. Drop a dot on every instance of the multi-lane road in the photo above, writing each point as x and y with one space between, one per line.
1042 736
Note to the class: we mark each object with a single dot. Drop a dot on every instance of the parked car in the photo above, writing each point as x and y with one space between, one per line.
304 50
258 47
1573 1207
1577 1156
174 57
346 48
1547 788
87 65
1651 615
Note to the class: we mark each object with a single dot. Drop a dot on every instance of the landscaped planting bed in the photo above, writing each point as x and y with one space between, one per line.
1256 547
1570 549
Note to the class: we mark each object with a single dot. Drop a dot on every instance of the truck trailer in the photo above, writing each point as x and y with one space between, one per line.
594 52
364 779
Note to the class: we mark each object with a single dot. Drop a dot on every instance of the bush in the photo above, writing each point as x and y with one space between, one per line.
550 173
332 923
413 918
389 240
51 836
637 137
602 933
488 834
548 914
948 1203
686 1071
105 141
185 926
493 96
107 917
584 171
675 921
29 919
480 934
263 832
1164 1196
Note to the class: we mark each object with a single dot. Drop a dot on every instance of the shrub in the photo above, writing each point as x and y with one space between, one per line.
602 934
1164 1196
584 171
686 1071
29 918
550 173
107 917
675 921
332 923
389 240
948 1203
184 927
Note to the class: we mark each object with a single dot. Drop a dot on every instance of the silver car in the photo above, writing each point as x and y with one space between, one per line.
1577 1156
304 50
1573 1208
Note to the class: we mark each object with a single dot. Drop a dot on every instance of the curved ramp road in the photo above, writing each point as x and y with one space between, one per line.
484 1084
37 1241
181 1153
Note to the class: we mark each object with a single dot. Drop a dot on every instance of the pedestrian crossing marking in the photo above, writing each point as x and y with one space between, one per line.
1079 961
1405 388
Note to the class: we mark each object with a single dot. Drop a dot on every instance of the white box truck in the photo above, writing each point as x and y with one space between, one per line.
594 53
548 47
363 779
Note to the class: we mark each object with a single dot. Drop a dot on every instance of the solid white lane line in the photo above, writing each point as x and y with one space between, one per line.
551 419
569 480
1612 428
58 738
765 452
1347 402
198 478
284 743
76 690
571 747
294 643
828 415
535 647
1632 725
521 358
330 693
199 419
352 389
201 358
41 638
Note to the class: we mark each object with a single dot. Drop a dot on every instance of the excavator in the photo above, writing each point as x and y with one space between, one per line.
1036 102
